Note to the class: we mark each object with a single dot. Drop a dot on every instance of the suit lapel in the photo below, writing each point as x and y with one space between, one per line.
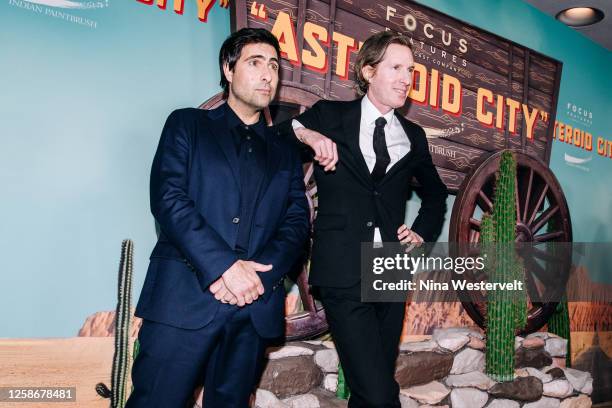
351 122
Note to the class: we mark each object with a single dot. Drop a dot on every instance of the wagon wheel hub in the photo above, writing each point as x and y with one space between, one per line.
523 233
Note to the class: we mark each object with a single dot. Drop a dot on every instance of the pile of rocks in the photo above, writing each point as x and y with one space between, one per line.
445 370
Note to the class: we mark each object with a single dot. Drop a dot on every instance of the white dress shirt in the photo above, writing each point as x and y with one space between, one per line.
398 143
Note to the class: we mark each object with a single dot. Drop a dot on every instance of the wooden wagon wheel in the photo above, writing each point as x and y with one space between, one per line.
542 216
305 318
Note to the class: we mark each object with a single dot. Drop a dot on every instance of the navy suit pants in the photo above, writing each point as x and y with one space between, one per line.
226 356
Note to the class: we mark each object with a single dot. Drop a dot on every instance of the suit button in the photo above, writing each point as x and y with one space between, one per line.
370 223
236 220
376 193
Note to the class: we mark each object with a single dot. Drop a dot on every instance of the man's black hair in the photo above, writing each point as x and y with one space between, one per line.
232 48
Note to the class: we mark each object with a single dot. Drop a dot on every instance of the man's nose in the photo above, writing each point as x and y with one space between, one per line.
406 77
267 74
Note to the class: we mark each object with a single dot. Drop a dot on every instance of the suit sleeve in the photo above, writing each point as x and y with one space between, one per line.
287 245
433 194
175 211
310 119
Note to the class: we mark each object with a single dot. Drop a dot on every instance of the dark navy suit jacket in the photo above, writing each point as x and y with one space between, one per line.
195 198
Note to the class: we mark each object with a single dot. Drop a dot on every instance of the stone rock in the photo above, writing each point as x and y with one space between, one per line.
588 387
581 401
450 340
543 402
533 342
328 399
476 343
265 399
422 367
555 372
430 393
275 353
102 324
330 382
521 389
471 379
468 360
535 357
303 401
329 344
416 346
468 398
518 340
537 373
503 403
521 372
407 402
558 362
327 360
558 388
556 346
577 378
463 330
291 376
541 335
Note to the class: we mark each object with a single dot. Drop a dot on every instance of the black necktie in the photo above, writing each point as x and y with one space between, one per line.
380 149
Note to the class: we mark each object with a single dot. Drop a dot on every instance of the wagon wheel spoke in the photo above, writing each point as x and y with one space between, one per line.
516 196
475 223
528 195
485 202
549 236
538 204
543 219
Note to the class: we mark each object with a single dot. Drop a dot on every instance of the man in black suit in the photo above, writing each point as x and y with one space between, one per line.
368 154
228 194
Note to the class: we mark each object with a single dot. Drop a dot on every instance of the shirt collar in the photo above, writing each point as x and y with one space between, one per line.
370 113
233 121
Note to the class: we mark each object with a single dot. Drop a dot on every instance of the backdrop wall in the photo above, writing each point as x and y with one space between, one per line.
85 94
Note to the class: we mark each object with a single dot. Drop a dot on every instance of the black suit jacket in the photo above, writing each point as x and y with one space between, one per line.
350 204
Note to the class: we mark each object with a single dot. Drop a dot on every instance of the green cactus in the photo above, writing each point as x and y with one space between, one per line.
342 391
506 310
559 324
123 316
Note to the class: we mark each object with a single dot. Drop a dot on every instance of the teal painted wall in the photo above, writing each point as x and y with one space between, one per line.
81 111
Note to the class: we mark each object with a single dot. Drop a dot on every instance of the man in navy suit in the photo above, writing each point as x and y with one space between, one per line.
228 194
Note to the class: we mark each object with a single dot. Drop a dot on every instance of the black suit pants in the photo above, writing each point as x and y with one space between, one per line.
367 340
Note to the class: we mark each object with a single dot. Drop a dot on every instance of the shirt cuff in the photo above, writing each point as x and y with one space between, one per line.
296 124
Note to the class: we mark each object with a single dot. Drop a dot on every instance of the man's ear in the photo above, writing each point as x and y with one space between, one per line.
227 72
368 71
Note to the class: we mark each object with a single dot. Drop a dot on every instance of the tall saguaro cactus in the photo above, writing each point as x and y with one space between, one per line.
123 316
506 310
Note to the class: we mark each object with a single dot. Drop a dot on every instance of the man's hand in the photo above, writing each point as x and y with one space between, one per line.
242 281
326 152
222 293
406 236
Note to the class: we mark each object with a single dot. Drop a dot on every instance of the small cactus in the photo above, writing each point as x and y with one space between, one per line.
123 316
